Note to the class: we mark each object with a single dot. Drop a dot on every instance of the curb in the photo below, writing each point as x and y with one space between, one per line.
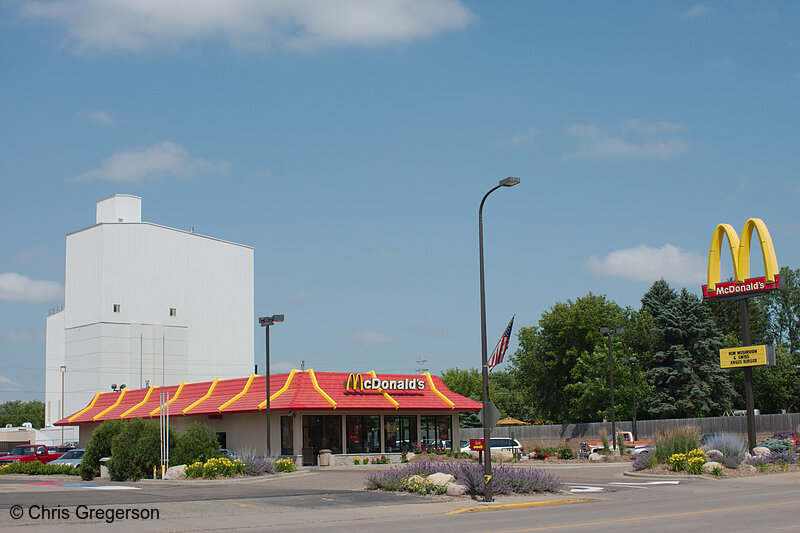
666 477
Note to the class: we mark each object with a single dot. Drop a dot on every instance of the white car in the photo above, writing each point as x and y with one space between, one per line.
502 444
72 457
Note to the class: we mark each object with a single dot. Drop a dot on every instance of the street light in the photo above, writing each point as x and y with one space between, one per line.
611 333
266 322
487 431
63 369
631 361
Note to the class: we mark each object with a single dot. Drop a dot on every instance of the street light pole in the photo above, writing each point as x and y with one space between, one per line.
63 369
611 333
631 361
487 431
266 322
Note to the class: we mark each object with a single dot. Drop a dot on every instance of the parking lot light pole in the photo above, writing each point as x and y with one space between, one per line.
487 431
266 322
631 361
63 369
611 333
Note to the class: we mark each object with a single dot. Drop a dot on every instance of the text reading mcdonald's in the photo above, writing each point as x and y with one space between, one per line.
743 286
356 382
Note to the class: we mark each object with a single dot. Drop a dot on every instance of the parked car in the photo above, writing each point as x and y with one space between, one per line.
787 435
229 454
29 452
72 457
502 444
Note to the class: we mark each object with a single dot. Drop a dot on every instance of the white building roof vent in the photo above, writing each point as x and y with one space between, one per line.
119 208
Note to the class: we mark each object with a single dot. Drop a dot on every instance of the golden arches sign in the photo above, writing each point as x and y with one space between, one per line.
740 255
355 381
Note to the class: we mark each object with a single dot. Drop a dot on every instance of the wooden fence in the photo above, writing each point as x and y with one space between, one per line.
645 429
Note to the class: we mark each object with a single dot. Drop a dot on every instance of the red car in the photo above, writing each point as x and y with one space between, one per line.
25 453
791 436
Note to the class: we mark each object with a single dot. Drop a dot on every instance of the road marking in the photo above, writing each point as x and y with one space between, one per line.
649 517
518 505
328 499
586 488
82 485
633 484
244 505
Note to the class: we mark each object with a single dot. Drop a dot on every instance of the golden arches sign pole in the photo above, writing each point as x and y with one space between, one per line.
742 288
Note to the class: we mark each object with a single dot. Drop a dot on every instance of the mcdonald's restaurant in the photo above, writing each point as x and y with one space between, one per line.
356 414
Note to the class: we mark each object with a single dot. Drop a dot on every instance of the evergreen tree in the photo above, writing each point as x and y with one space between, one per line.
685 371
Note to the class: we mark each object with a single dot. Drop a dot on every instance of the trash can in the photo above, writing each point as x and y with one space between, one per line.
324 458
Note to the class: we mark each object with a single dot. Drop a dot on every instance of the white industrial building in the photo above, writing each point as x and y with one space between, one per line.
145 304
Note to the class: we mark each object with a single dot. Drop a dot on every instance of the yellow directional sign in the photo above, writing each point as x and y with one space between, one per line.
762 355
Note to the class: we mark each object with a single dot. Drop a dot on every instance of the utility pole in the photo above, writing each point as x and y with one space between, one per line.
302 366
420 360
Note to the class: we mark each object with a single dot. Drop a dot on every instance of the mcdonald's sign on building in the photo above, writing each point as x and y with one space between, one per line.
743 285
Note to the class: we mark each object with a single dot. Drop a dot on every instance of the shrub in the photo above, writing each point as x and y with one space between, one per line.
505 479
775 445
97 447
285 465
732 461
565 452
382 460
214 468
714 455
256 466
38 468
604 440
695 465
357 460
678 462
420 485
541 453
716 471
727 443
135 450
642 461
198 444
675 441
782 458
621 444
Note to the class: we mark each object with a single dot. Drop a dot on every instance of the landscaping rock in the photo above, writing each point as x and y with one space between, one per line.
747 457
714 455
760 451
440 479
709 467
176 472
595 457
454 489
410 455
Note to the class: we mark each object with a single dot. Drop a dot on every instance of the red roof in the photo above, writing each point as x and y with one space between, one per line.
295 391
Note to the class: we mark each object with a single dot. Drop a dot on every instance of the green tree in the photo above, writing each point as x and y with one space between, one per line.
783 308
548 353
135 450
503 391
684 372
99 446
17 412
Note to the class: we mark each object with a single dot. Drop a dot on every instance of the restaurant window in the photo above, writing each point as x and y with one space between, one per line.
436 431
401 433
287 435
363 434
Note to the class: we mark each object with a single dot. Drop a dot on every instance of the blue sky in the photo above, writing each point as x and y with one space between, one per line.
351 142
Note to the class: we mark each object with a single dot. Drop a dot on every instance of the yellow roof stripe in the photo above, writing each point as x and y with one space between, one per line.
204 398
283 389
138 405
319 390
244 391
385 395
442 396
107 409
91 404
177 393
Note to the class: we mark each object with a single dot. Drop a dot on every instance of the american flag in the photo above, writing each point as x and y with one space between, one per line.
502 346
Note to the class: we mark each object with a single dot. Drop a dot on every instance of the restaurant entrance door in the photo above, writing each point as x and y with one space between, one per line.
321 432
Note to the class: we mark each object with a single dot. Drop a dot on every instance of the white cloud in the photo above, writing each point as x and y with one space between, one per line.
695 11
9 383
281 367
140 25
18 288
104 118
371 337
24 337
643 263
163 159
633 139
524 137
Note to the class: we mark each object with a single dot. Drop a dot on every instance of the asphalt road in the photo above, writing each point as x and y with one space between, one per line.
601 499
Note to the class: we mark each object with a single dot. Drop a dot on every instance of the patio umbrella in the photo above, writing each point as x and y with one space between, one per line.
508 421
